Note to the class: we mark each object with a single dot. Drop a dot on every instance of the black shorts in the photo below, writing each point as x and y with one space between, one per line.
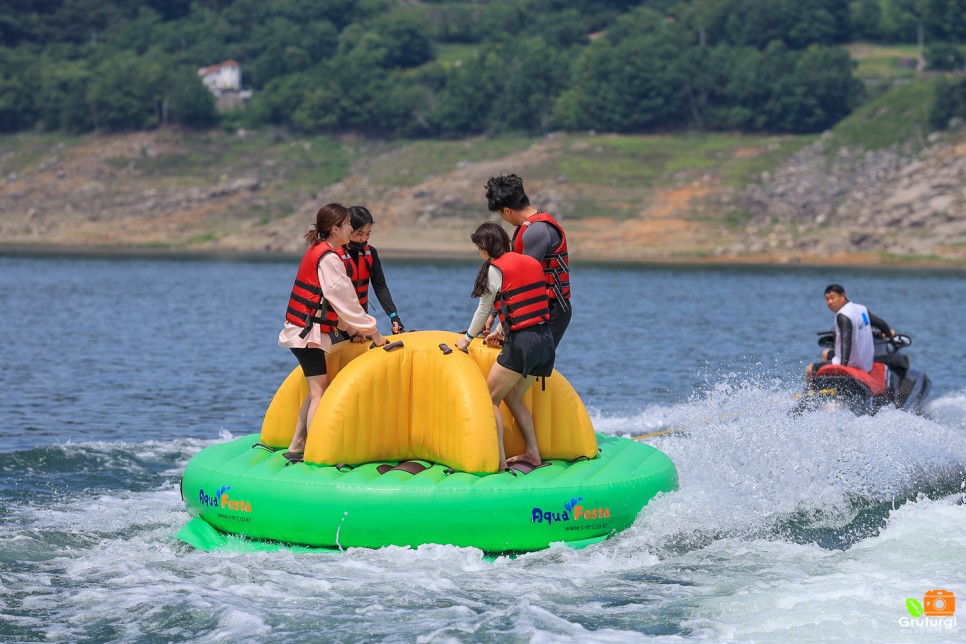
312 361
529 351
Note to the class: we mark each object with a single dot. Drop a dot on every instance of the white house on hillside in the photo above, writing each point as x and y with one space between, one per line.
223 77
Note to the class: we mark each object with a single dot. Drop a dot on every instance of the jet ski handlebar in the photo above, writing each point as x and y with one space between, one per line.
826 339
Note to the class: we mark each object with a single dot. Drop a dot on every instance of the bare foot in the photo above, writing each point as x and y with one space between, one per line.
529 459
297 447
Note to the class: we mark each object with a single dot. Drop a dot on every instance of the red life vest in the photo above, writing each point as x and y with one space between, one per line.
306 304
522 300
359 271
556 263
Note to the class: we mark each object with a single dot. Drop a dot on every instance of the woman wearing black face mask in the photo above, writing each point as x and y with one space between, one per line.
363 267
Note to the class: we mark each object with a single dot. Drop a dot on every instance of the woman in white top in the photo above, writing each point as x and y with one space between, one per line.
323 300
515 282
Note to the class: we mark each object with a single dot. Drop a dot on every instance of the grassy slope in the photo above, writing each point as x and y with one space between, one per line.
621 178
898 115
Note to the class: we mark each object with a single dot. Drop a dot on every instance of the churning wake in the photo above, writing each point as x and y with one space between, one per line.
750 469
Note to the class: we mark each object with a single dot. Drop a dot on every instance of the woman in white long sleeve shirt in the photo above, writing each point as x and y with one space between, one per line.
323 300
515 282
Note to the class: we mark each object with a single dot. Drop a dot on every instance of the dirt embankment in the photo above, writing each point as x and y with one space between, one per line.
817 207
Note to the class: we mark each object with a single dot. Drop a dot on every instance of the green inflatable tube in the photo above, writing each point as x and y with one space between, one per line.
239 488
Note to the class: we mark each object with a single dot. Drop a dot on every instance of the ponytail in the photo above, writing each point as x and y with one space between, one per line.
313 236
482 283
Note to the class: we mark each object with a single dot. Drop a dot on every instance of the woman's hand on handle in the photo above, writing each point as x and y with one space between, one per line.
378 340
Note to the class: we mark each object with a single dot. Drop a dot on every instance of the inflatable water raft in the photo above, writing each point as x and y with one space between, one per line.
402 451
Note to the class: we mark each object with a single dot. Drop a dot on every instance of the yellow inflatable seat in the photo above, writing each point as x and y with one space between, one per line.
278 426
415 402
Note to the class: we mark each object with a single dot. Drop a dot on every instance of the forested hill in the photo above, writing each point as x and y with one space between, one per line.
404 68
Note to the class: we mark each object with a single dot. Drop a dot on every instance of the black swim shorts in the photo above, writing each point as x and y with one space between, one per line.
312 360
529 351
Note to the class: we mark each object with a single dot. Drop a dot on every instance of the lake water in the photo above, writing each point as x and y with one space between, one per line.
115 371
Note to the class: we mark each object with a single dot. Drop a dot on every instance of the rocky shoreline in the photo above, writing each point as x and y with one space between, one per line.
791 261
821 206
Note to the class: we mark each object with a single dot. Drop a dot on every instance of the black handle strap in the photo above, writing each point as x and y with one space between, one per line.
526 468
412 467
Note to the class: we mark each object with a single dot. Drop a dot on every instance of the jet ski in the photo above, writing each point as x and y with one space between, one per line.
891 382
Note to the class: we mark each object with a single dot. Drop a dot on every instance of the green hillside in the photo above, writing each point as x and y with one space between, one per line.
400 69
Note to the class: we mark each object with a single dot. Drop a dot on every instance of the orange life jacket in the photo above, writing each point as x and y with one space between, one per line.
522 301
359 271
556 263
306 304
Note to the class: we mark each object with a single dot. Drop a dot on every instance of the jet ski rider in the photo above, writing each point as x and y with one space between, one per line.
854 345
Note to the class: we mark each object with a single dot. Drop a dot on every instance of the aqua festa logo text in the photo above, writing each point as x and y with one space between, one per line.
572 511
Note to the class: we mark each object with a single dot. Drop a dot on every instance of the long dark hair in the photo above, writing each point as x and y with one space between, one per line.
329 216
490 237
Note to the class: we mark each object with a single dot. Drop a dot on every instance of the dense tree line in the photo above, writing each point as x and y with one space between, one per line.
533 65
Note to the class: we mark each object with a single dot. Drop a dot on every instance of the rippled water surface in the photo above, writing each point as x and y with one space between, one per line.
114 372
